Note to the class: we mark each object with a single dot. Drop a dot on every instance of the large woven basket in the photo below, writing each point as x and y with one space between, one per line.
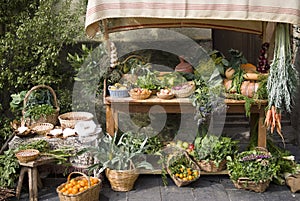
121 180
53 118
90 194
245 183
179 182
210 166
68 120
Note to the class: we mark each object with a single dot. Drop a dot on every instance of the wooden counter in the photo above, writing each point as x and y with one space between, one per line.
180 106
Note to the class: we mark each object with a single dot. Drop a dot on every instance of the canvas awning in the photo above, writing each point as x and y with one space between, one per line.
240 15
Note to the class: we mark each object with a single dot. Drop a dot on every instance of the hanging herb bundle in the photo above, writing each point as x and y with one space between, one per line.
283 79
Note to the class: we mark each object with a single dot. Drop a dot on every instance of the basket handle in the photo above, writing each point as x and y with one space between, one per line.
82 174
38 87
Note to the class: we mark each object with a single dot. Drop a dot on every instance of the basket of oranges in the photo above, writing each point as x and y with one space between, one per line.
182 169
79 188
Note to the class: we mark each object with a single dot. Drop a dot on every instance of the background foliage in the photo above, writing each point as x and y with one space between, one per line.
35 38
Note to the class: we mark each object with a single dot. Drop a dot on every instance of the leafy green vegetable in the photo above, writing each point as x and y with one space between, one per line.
37 111
215 148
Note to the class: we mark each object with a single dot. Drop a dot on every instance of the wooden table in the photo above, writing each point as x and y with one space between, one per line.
179 105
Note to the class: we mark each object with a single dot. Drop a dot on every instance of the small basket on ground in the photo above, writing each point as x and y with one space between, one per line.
42 128
184 90
53 118
173 158
210 166
68 120
27 155
90 194
245 183
121 180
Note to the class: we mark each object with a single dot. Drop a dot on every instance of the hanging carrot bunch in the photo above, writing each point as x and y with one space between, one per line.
282 81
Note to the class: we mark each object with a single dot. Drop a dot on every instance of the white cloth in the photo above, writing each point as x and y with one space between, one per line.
244 15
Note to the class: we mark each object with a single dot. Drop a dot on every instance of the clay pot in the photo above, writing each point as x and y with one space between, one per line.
184 66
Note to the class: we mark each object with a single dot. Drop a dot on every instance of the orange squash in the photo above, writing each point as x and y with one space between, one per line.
248 68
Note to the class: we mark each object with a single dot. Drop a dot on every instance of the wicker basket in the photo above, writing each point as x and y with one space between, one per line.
140 96
179 182
185 92
245 183
53 118
210 166
42 128
68 120
91 194
165 96
27 155
121 180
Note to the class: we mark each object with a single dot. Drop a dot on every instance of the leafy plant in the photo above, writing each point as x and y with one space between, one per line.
220 61
149 80
256 165
8 168
214 148
37 111
120 154
207 99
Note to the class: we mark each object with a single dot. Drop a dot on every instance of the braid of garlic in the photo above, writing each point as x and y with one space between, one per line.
113 55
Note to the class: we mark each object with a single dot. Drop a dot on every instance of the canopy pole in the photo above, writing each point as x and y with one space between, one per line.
105 27
269 37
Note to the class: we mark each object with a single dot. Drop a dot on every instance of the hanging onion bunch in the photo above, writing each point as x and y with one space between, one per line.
283 79
263 64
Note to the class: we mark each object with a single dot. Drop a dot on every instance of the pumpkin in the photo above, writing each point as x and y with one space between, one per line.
249 88
248 68
227 84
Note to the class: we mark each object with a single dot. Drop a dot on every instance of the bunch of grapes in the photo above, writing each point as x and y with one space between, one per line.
263 65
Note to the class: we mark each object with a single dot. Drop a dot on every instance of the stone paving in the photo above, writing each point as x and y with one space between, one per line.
150 188
209 187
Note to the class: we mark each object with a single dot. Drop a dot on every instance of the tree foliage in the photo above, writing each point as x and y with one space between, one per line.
33 34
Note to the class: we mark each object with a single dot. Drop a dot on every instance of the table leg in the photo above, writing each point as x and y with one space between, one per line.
20 182
262 131
33 188
257 125
110 122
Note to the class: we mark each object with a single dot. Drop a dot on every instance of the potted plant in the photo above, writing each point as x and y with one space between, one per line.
252 170
211 152
121 159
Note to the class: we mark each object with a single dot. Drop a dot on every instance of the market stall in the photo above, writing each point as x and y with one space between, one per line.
256 17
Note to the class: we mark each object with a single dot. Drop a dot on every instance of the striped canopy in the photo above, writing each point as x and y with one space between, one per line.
241 15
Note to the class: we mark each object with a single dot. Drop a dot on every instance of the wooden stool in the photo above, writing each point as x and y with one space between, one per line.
33 177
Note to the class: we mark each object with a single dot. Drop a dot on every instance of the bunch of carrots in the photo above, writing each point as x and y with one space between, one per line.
272 121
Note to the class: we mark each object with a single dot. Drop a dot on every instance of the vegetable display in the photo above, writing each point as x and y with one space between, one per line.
283 80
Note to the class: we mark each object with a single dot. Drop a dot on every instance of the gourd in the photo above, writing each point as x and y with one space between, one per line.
249 88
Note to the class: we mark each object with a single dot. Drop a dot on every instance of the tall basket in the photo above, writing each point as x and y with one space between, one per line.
53 118
121 180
